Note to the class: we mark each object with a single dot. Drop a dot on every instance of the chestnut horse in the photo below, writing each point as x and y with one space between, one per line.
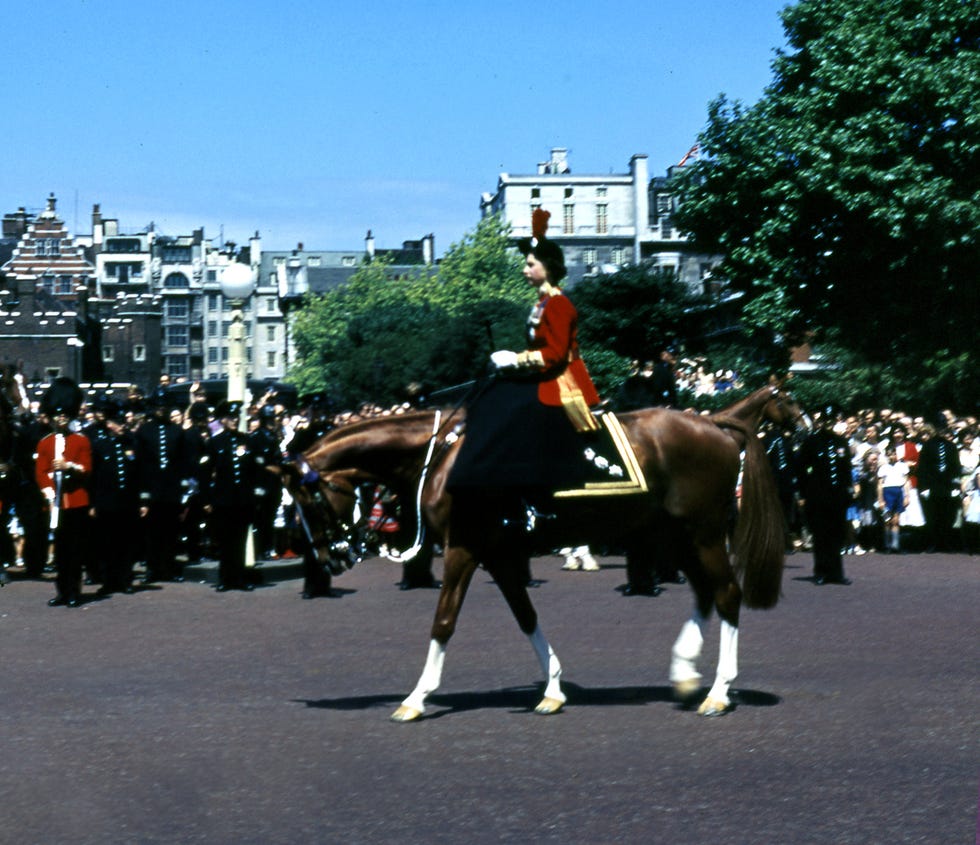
691 466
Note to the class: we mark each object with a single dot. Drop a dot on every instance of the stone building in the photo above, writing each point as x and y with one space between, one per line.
55 322
601 221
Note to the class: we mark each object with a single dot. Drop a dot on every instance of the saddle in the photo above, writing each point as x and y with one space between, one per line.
613 467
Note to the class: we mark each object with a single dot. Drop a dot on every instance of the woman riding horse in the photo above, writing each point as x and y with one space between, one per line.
523 427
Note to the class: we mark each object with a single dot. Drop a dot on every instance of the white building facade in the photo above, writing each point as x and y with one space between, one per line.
602 222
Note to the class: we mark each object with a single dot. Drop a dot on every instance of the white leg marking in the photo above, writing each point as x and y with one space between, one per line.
549 665
431 677
687 650
727 663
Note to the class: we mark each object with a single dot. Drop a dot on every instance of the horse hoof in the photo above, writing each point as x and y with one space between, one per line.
549 706
685 690
714 707
406 714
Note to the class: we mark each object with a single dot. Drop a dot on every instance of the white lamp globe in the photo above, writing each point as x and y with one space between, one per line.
237 281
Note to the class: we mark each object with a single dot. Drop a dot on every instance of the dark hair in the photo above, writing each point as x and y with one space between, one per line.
547 252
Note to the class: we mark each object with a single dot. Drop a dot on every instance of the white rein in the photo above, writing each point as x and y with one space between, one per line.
410 553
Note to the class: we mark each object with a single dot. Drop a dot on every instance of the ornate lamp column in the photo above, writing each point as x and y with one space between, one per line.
237 285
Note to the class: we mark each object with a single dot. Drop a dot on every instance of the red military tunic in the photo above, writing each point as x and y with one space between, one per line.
77 451
553 349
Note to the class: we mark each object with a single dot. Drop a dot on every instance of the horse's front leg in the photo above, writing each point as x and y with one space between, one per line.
457 573
511 577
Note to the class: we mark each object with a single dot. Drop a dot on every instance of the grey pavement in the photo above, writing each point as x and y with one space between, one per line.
180 715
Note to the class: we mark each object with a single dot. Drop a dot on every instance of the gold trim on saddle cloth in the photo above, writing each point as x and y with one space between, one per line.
632 480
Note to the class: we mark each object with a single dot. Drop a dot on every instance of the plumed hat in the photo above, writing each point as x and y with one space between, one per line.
547 252
62 397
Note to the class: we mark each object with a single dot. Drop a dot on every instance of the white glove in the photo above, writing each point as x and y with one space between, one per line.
504 359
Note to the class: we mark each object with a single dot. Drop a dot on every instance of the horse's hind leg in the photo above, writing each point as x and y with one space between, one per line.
714 585
458 572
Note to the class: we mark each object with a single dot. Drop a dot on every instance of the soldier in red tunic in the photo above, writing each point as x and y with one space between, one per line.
64 462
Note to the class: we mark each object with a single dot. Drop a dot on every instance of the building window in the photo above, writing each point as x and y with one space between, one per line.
212 328
225 326
47 283
176 280
224 353
568 225
176 255
270 333
279 261
270 359
48 246
618 255
535 193
177 308
139 352
568 193
176 335
271 305
177 366
212 302
212 354
212 275
589 256
108 353
348 261
602 219
600 192
63 287
313 261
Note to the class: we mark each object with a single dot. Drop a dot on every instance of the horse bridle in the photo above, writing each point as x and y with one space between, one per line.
345 547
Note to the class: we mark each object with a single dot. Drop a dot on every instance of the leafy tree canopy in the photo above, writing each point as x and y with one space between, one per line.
369 339
848 197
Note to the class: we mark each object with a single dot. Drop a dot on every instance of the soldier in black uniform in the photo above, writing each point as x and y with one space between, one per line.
316 578
938 482
197 436
824 473
649 563
229 495
164 470
115 501
266 446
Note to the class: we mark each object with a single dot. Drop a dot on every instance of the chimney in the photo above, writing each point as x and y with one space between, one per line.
428 248
97 228
369 244
255 249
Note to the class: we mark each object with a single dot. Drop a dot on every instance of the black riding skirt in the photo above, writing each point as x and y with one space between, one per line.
513 441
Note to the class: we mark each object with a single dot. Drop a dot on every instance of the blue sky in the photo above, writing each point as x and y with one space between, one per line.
315 121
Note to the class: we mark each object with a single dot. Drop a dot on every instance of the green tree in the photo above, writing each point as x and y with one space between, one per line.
847 200
372 337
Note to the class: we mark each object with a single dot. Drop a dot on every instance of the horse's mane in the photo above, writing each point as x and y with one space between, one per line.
377 443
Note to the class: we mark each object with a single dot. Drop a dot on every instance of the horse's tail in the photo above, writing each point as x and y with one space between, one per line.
759 543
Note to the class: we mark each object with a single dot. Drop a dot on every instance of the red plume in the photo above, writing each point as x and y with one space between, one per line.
539 223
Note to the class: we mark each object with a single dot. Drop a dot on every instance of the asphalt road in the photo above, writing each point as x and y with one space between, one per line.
179 715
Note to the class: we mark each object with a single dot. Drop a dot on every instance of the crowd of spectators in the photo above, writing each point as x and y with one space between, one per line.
936 463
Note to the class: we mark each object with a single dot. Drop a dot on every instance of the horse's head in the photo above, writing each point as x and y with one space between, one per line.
325 503
783 409
13 391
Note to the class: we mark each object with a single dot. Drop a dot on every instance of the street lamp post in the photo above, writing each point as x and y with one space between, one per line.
237 285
